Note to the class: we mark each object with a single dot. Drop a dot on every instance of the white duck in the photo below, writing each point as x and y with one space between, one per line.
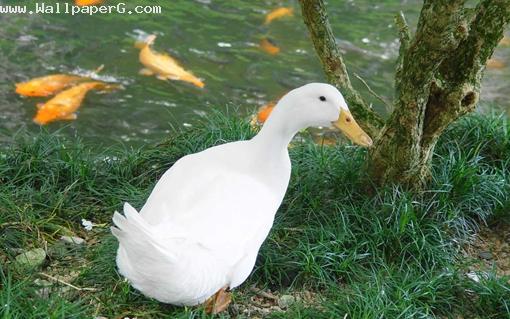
200 231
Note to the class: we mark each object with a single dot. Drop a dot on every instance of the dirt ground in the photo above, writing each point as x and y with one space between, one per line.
491 249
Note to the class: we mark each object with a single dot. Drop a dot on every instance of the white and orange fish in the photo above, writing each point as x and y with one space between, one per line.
278 14
164 66
267 45
64 105
84 3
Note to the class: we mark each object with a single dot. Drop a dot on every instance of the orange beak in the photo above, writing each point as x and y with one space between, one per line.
351 129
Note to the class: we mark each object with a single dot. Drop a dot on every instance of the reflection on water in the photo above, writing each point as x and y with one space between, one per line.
219 41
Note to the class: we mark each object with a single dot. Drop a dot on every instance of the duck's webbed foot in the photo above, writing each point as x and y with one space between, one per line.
219 301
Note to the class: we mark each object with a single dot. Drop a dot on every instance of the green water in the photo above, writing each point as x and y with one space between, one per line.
216 40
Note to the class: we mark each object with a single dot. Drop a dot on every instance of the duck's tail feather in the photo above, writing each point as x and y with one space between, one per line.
137 237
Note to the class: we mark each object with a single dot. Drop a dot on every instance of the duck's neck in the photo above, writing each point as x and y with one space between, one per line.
277 132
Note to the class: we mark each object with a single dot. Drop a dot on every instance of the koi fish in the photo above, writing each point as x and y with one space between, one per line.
64 105
495 64
265 111
267 45
83 3
46 85
51 84
278 14
163 65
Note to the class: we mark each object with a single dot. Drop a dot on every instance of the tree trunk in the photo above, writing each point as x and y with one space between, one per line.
316 19
438 77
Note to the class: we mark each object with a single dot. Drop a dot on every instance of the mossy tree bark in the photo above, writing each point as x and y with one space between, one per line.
316 19
438 76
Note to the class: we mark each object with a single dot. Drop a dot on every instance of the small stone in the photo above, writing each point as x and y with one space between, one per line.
286 301
72 240
31 259
487 255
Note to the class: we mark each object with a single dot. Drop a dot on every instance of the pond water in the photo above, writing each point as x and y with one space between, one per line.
217 40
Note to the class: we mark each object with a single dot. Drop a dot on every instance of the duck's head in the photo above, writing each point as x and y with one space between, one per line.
320 104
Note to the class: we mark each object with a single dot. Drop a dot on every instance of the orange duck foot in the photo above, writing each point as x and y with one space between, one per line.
218 302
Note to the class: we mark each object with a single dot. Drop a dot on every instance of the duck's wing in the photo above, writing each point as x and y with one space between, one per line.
190 178
173 192
213 204
230 217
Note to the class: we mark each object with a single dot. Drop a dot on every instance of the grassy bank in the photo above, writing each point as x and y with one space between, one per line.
336 247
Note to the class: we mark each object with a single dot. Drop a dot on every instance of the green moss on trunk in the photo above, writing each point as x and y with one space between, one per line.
316 19
438 77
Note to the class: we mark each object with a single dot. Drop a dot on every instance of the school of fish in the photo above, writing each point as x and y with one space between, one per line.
70 90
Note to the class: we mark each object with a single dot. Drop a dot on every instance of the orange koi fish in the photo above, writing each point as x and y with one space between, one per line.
495 64
163 65
46 85
265 111
51 84
83 3
267 45
64 105
278 14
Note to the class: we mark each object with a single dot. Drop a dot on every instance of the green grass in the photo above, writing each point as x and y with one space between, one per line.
383 254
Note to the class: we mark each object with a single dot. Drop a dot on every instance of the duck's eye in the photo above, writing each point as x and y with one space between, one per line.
322 98
347 119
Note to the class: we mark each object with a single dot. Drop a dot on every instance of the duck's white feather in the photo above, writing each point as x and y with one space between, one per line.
201 227
203 224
